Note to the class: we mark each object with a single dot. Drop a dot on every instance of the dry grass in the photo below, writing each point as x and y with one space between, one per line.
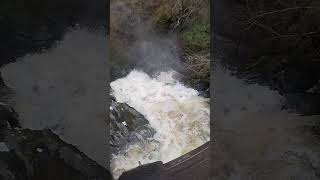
196 69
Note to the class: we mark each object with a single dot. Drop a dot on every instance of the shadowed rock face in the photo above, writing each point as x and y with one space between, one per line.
32 26
33 154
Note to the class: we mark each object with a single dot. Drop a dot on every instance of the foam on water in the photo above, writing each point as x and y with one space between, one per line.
177 113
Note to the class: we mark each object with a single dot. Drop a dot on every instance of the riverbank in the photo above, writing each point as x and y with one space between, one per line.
269 45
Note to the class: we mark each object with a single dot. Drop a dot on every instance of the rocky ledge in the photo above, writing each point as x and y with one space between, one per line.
40 154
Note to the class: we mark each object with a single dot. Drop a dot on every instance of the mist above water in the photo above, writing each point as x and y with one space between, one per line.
140 45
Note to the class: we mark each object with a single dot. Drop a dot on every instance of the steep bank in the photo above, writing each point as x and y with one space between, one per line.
274 44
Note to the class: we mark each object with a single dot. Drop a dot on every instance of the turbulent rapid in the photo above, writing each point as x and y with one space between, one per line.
178 114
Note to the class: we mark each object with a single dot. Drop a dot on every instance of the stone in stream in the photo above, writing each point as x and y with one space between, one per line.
127 126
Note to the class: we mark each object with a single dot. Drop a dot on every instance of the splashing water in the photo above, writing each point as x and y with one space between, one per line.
177 113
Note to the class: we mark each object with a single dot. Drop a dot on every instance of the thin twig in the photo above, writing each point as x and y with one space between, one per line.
296 35
267 28
277 11
183 17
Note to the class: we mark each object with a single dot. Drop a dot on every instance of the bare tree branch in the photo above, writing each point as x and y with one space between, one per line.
277 11
267 28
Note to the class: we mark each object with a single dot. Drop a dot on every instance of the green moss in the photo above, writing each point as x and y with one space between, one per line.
196 36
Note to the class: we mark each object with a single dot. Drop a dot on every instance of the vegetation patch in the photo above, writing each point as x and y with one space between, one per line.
196 69
163 24
196 37
285 42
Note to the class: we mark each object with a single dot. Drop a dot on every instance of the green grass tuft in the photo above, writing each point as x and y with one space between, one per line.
196 36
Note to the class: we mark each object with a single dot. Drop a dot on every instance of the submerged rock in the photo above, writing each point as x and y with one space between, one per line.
40 155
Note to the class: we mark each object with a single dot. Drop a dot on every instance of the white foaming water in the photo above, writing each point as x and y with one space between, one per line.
177 113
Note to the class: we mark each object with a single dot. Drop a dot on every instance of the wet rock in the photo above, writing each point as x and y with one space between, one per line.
117 71
3 147
202 86
204 89
40 155
205 94
127 126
